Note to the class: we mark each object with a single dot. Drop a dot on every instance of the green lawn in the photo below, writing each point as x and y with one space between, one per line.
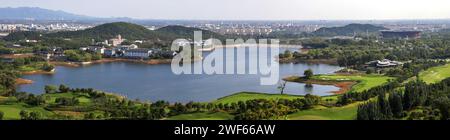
2 98
365 82
203 116
11 112
84 99
347 112
245 96
32 67
435 74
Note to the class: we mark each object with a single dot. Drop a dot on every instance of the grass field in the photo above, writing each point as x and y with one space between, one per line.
347 112
2 98
12 111
31 67
84 100
203 116
245 96
435 74
365 82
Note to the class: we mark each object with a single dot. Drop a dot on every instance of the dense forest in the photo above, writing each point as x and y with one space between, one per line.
418 101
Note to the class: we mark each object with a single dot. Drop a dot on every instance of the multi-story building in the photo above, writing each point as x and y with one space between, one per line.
127 47
116 41
137 53
109 52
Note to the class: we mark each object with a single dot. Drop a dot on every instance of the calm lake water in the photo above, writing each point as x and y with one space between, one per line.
157 82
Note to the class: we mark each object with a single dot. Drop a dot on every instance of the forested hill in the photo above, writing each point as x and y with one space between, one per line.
108 31
126 30
348 30
186 32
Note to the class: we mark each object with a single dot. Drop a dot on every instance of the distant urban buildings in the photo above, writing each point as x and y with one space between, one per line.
393 34
43 27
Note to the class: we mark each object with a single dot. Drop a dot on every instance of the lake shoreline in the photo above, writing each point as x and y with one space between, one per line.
38 72
111 60
21 81
308 61
344 86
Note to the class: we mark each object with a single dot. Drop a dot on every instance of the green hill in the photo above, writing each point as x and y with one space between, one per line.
23 35
185 32
348 30
110 30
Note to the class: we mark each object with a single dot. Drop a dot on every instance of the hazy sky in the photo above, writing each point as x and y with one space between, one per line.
247 9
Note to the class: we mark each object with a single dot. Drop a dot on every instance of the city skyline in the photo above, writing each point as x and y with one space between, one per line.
248 9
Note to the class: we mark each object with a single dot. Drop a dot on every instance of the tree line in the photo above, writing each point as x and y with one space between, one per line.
418 101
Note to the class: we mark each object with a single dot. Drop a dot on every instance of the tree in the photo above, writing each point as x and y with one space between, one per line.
443 104
308 74
281 87
370 71
47 67
35 116
24 115
96 56
7 82
66 101
288 54
1 115
50 89
89 116
384 107
395 101
310 100
63 88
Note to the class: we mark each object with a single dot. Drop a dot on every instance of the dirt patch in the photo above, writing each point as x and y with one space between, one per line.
21 81
38 72
344 87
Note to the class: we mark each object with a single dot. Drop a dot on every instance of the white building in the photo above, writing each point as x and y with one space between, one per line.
128 47
116 41
97 49
137 53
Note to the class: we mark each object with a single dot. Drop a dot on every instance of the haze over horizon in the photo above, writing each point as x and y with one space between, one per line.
248 9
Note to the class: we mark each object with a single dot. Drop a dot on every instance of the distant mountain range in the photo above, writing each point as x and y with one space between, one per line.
348 30
34 13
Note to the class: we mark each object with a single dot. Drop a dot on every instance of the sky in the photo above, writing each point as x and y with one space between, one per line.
248 9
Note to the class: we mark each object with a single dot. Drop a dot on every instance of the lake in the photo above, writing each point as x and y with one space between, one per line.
157 82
